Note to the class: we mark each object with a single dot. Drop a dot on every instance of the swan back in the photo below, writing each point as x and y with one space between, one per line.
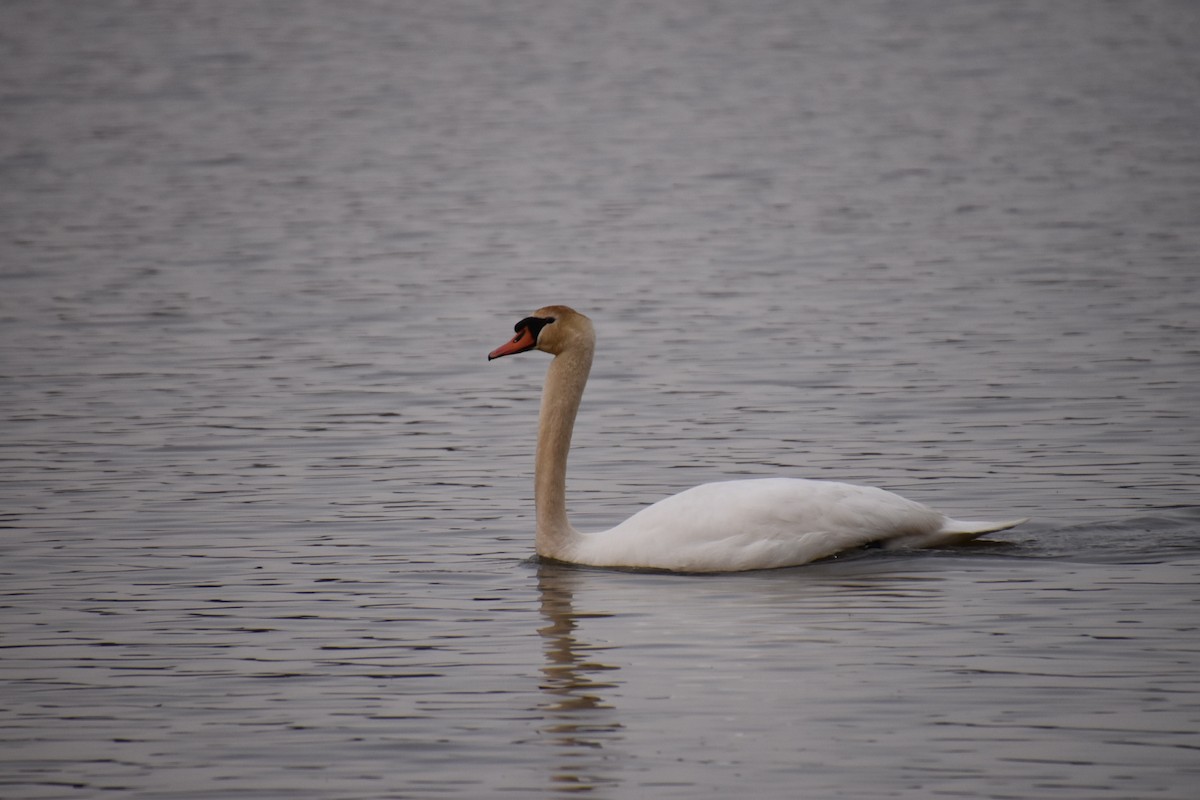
756 524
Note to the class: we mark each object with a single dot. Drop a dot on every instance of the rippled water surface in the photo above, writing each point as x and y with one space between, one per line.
267 511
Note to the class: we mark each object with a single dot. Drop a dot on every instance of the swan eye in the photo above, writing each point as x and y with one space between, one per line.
532 324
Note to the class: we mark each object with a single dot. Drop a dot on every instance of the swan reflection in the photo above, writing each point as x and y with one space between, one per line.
577 721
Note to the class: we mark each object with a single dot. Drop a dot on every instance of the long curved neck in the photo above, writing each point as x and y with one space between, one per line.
565 380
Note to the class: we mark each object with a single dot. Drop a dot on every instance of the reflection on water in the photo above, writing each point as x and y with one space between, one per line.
963 672
578 722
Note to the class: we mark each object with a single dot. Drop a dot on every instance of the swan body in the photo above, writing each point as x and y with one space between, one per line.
728 526
765 523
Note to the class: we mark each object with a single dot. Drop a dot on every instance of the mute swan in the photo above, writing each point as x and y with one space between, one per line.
728 526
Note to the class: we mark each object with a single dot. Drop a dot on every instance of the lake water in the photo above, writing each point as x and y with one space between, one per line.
267 510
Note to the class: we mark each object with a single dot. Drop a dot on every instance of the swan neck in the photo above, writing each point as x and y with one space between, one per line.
565 381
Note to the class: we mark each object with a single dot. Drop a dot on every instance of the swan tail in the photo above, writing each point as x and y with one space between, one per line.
955 531
977 527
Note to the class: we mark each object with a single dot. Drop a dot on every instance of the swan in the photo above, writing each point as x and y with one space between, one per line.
728 526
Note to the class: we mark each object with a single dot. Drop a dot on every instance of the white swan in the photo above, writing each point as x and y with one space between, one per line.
716 527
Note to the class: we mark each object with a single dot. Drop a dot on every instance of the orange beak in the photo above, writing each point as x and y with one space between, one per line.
524 340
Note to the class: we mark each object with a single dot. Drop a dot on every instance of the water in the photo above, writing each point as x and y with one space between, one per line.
267 511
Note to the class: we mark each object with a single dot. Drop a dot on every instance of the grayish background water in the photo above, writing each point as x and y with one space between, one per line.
267 511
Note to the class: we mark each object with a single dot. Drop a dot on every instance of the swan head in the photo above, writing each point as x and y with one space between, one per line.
551 329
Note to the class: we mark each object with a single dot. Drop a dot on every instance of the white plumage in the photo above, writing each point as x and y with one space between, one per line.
765 523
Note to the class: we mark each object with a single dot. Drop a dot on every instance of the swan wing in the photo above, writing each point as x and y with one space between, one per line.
767 523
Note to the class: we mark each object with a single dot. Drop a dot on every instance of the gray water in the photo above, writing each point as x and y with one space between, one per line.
267 513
